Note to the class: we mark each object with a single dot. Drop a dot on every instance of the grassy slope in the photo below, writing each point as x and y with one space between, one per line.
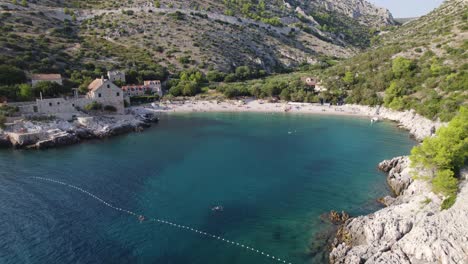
436 81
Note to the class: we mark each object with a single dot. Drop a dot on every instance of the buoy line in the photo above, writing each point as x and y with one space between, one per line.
165 222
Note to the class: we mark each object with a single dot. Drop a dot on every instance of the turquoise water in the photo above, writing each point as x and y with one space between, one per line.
275 175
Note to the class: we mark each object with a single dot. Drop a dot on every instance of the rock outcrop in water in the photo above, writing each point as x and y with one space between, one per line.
338 218
412 229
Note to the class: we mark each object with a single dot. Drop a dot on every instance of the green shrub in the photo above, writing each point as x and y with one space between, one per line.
50 89
11 75
177 15
445 154
448 202
94 106
445 183
136 100
448 149
2 121
6 110
215 76
402 66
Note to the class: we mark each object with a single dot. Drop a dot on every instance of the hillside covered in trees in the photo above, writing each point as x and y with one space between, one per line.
422 65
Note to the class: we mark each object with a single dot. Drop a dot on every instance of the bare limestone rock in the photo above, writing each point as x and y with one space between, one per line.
55 133
399 176
417 125
411 230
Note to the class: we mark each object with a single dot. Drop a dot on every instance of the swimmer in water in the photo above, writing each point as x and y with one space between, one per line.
218 208
141 218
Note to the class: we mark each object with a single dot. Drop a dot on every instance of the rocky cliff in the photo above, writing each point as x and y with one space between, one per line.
412 229
360 10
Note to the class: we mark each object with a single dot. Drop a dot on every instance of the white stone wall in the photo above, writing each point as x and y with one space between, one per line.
55 105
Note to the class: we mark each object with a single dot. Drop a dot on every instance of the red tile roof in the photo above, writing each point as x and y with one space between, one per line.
95 84
46 77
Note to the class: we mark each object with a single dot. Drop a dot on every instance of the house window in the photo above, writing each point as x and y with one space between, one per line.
73 105
99 95
50 104
108 86
118 94
58 103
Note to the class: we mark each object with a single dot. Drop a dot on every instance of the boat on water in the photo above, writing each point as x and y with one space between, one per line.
375 120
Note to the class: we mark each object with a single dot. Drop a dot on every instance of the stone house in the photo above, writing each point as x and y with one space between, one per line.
100 90
107 93
36 78
116 76
313 84
149 87
309 81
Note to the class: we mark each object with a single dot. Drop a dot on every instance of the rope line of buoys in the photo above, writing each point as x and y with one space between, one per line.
165 222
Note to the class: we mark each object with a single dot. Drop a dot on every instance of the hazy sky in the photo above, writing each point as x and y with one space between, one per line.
408 8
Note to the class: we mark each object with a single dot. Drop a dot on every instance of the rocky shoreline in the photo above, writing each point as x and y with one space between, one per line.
28 134
417 125
411 229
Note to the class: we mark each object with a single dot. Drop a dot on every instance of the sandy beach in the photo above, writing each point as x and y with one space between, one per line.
263 107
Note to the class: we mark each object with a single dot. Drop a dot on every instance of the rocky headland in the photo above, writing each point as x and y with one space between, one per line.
55 132
411 229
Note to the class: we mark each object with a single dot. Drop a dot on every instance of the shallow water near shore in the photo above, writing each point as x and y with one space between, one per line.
275 175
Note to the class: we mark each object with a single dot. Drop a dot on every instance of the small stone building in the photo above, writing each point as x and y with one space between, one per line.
313 84
116 76
309 81
106 92
36 78
149 87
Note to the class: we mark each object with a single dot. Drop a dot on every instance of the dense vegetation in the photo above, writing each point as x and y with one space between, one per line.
5 111
256 10
443 156
423 66
190 82
345 27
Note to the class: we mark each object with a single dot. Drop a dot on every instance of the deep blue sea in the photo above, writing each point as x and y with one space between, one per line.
274 175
